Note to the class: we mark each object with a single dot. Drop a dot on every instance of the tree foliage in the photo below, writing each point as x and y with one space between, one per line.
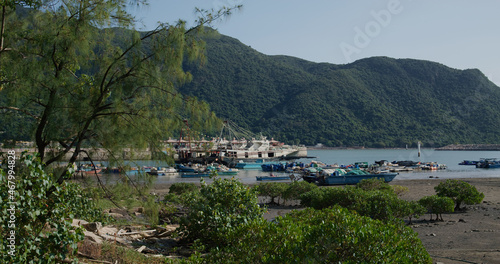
332 235
219 208
377 204
460 191
437 205
42 224
272 190
80 84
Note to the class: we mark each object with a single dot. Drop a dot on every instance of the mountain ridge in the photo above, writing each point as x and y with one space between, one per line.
373 102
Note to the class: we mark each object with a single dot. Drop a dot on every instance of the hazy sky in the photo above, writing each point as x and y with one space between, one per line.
460 34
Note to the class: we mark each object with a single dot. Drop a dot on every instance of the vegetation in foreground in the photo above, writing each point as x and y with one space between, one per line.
224 224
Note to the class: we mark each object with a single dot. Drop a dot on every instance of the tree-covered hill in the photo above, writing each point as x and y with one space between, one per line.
374 102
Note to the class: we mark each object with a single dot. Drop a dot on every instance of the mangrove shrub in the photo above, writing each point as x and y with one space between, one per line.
437 205
332 235
460 192
217 209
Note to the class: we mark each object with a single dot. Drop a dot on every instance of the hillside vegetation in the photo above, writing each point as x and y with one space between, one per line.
374 102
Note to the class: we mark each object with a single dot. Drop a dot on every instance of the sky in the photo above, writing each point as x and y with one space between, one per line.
457 33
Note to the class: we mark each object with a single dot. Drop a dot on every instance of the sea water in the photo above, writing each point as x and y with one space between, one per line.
350 156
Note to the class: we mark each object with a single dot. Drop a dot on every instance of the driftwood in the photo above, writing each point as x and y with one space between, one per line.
92 259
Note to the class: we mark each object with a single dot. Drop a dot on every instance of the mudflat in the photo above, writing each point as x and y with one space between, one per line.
468 236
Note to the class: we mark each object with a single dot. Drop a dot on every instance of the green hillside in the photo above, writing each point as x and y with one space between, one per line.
374 102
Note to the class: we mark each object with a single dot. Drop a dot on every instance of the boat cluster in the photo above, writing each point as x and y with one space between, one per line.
184 170
377 167
483 163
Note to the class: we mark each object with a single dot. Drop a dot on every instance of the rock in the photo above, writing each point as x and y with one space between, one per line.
106 230
92 237
461 220
117 216
89 249
78 222
431 234
93 227
116 239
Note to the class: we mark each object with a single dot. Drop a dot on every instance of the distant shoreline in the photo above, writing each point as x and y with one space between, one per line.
353 148
453 147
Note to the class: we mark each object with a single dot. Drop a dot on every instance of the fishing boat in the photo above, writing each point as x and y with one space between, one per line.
273 177
469 162
234 145
222 170
183 168
88 169
251 164
341 177
162 171
195 175
490 163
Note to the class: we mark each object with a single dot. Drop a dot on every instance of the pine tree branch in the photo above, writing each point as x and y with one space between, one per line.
20 110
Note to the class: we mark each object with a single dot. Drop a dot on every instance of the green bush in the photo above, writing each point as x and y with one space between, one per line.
217 209
373 185
399 190
43 214
460 192
295 189
437 205
271 190
332 235
382 205
180 192
182 187
321 198
410 209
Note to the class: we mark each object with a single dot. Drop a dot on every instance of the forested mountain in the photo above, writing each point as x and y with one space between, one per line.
374 102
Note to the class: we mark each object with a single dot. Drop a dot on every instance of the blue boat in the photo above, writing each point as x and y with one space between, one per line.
337 177
491 163
272 178
194 175
182 168
468 162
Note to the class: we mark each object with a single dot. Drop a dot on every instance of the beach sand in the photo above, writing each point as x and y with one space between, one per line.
470 236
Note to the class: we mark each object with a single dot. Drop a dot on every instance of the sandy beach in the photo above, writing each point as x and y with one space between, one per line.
470 236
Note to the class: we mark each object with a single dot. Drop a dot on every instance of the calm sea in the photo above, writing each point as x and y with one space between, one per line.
350 156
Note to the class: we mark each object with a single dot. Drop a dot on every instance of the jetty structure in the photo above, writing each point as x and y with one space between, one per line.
471 147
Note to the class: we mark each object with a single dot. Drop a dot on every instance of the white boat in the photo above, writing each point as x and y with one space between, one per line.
162 171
